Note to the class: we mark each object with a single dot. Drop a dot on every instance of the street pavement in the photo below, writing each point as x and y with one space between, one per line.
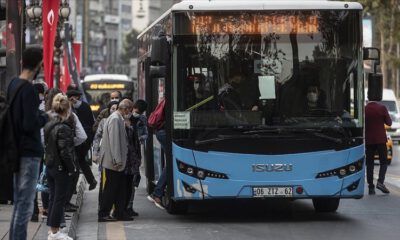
370 218
38 230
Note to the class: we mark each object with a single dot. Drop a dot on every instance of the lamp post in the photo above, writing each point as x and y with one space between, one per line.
34 13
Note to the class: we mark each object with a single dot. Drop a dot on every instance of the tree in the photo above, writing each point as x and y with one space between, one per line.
129 47
385 15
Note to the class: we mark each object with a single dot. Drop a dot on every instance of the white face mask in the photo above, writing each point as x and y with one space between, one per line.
127 116
77 104
312 97
135 114
196 86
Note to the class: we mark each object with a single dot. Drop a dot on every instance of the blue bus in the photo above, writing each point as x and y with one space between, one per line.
264 99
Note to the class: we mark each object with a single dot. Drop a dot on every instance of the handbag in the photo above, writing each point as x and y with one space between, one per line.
41 185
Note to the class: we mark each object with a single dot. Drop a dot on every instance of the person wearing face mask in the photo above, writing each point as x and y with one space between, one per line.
113 158
114 96
315 98
137 134
85 116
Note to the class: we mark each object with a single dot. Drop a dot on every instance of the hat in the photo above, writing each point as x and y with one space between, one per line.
73 92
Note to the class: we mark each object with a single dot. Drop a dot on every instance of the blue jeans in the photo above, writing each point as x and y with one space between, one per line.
162 180
24 193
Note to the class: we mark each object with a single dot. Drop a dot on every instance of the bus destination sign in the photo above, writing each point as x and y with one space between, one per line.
100 86
279 24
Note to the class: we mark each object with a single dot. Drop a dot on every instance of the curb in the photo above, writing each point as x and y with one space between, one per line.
79 202
73 223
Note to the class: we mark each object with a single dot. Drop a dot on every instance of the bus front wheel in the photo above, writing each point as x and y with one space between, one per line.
175 207
326 204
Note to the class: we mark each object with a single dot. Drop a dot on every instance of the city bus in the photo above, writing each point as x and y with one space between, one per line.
264 99
98 87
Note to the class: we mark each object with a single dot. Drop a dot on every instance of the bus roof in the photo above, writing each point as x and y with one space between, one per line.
109 77
226 5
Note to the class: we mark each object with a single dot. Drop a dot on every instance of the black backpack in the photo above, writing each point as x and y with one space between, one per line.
9 158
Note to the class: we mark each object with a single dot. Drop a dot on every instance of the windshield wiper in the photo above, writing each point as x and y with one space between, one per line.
317 132
228 137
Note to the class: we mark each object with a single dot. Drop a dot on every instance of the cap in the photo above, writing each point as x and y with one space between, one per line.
73 92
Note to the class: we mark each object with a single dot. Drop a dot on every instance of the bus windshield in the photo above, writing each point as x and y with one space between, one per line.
268 69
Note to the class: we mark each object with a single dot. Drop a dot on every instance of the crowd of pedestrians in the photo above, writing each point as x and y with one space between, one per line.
56 130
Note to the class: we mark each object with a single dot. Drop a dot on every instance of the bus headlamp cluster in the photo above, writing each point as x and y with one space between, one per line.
198 172
343 171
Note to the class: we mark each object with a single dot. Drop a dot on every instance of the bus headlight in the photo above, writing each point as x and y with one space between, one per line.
198 172
343 171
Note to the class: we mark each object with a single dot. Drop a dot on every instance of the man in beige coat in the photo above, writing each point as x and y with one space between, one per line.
113 156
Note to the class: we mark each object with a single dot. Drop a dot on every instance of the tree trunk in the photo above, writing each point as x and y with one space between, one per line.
383 58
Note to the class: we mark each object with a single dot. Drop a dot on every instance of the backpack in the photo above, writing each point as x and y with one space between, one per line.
157 117
9 157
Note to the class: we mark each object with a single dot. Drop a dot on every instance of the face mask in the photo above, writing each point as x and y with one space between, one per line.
312 97
135 114
77 104
127 116
196 86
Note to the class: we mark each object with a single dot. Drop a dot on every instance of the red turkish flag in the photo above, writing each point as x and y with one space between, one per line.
77 53
65 81
49 20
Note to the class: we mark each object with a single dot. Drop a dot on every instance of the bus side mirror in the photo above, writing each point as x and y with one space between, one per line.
159 50
371 53
375 86
157 71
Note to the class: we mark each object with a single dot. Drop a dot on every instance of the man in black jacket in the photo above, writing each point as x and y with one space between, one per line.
85 115
27 122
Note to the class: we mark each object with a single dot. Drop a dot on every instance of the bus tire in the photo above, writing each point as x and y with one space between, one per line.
176 207
326 204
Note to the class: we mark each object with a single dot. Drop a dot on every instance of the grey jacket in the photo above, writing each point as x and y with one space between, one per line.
114 145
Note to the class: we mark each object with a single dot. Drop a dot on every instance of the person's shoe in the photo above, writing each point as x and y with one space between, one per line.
106 219
156 200
132 212
67 217
35 217
382 187
92 185
371 190
71 205
125 218
58 236
70 209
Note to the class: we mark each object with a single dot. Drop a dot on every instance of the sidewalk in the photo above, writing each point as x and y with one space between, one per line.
38 230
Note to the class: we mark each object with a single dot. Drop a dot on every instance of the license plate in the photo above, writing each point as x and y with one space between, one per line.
272 191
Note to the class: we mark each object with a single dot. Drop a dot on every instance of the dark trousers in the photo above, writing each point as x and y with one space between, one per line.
370 152
72 186
81 152
130 191
114 192
58 184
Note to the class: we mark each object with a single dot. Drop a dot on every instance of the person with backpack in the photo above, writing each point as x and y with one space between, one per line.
60 162
26 122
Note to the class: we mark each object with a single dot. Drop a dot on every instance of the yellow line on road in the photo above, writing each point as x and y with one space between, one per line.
115 231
